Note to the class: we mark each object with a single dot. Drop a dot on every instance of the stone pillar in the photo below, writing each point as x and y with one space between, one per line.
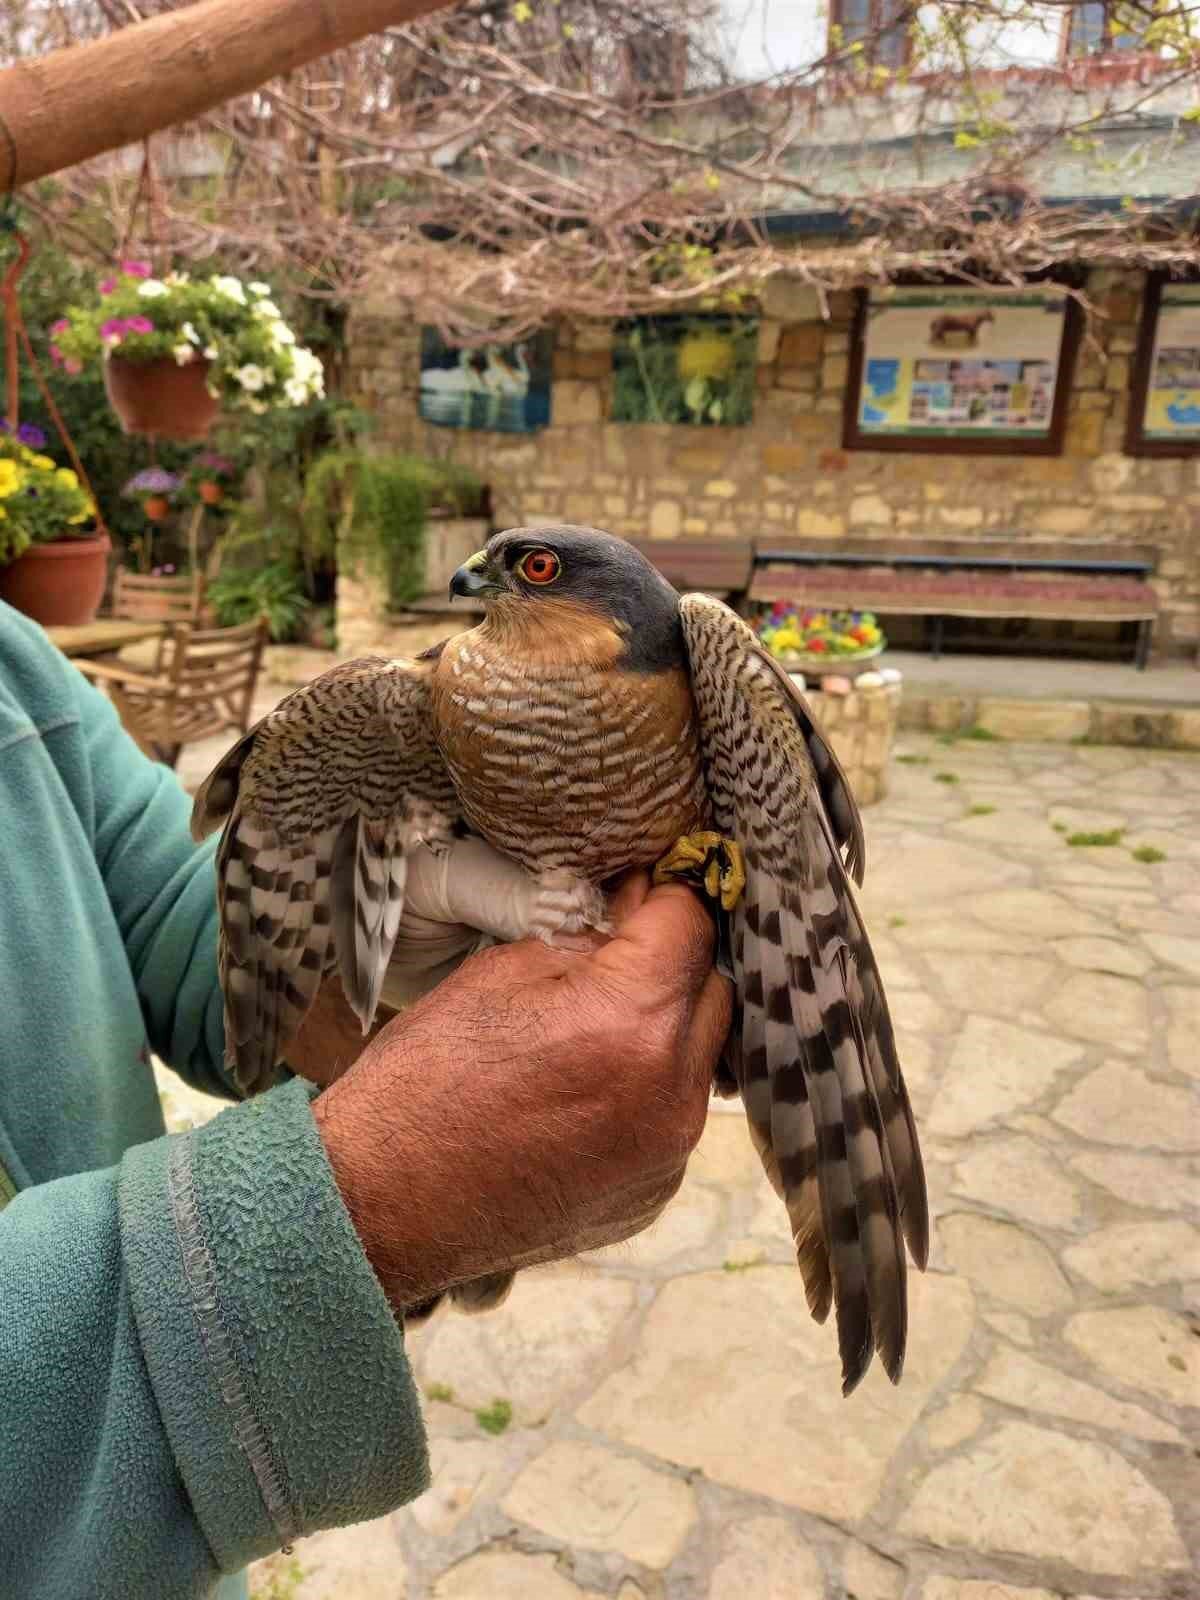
861 726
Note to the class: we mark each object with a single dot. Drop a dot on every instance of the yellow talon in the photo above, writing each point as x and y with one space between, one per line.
708 860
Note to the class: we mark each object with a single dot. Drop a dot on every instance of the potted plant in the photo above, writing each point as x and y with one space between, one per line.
209 475
176 349
53 562
806 639
153 486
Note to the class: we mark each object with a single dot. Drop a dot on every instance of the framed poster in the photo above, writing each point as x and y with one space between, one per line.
967 370
685 369
500 388
1164 405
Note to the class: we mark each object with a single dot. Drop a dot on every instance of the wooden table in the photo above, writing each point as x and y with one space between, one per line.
103 638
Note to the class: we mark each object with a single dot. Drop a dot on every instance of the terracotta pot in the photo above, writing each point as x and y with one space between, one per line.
156 507
210 493
160 398
58 585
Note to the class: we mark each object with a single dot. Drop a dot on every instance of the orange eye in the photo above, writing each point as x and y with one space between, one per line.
539 566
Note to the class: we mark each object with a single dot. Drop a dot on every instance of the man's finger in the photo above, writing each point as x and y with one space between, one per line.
670 937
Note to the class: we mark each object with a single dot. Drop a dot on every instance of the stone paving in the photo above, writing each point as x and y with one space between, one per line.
664 1422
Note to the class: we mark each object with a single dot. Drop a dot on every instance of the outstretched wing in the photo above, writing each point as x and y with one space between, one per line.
319 801
816 1059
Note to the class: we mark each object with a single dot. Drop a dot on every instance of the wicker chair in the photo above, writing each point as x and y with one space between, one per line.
206 688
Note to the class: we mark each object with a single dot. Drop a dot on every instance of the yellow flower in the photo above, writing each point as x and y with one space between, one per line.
705 356
3 514
65 475
45 462
10 477
81 516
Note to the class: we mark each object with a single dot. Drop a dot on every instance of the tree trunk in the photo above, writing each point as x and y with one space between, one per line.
79 102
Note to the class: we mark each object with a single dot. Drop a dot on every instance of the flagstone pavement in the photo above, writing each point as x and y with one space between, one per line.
663 1421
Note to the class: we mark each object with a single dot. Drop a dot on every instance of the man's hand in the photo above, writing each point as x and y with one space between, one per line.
540 1102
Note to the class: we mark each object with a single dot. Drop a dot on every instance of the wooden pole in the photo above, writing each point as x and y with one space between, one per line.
79 102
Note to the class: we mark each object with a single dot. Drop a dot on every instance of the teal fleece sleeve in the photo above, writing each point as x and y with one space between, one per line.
162 889
198 1364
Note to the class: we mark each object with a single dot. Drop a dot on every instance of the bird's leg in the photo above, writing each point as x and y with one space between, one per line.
707 861
567 903
431 827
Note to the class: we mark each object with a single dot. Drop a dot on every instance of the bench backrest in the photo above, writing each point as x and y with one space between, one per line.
1077 554
721 565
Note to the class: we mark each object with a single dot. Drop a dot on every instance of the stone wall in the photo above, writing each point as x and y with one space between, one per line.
787 473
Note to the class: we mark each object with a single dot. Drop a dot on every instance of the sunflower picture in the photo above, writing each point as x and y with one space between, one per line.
697 370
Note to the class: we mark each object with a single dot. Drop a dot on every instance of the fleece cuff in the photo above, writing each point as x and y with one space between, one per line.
276 1362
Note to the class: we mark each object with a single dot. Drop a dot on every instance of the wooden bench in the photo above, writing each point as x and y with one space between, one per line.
939 578
716 566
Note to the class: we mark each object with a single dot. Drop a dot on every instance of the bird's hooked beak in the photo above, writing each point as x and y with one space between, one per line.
475 579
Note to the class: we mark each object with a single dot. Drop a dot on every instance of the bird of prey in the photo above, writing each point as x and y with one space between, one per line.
594 721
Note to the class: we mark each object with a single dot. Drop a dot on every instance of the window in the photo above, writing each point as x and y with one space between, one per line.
880 26
1103 27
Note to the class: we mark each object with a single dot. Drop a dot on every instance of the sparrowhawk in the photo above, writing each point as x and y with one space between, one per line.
596 720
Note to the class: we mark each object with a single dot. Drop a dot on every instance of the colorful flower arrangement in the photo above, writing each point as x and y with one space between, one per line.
788 630
40 502
253 362
207 476
153 486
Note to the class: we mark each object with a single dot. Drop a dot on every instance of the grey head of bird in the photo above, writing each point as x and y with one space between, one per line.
564 571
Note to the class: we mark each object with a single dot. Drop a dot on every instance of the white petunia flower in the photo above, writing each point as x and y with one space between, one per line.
230 288
296 391
151 288
308 368
189 333
259 288
210 352
268 308
183 353
281 335
251 378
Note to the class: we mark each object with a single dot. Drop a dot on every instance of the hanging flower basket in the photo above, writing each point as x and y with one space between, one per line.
60 584
177 349
161 398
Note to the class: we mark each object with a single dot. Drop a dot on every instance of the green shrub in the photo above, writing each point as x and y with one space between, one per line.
275 591
377 505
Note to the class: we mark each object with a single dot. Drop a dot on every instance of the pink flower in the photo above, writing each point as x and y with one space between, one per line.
138 325
107 285
60 326
73 366
113 331
136 269
56 355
